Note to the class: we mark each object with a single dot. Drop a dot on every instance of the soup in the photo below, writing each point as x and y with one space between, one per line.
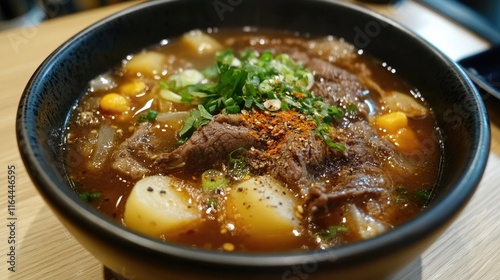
254 141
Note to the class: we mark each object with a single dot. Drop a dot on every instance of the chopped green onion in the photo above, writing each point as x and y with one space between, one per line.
170 96
352 109
213 179
237 167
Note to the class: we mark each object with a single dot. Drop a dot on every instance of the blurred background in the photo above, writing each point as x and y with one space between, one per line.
480 16
15 13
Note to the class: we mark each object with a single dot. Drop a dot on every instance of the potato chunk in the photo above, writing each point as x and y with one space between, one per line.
200 43
263 208
156 207
148 63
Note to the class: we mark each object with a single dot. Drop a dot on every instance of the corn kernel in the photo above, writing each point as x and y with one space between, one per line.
390 123
114 103
133 88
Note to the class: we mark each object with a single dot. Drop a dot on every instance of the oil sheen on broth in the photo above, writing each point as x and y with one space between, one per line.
254 141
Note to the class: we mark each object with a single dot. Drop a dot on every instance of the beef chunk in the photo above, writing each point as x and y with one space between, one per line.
337 86
210 145
127 157
290 149
297 160
299 156
359 174
328 71
365 181
364 145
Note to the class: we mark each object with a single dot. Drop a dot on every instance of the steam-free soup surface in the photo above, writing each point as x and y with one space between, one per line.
254 141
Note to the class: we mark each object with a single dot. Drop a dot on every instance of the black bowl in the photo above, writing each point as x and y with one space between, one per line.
62 78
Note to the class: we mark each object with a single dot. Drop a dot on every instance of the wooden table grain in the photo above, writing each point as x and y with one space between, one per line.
469 249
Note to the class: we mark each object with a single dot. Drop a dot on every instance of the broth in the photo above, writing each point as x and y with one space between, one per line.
301 164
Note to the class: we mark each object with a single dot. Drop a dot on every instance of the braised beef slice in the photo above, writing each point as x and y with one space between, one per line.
296 163
365 181
127 157
210 145
337 86
299 157
364 145
359 173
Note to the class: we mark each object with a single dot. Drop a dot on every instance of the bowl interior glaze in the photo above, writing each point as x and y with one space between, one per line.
62 78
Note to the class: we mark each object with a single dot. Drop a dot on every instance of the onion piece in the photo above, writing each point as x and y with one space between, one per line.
172 116
103 145
170 96
366 225
273 104
397 101
186 78
102 82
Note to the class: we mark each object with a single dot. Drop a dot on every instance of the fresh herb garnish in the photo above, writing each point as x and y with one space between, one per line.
250 80
88 196
212 203
400 195
422 197
331 232
352 109
150 116
198 117
419 197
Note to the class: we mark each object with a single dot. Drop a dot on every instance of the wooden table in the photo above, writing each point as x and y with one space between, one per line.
470 249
